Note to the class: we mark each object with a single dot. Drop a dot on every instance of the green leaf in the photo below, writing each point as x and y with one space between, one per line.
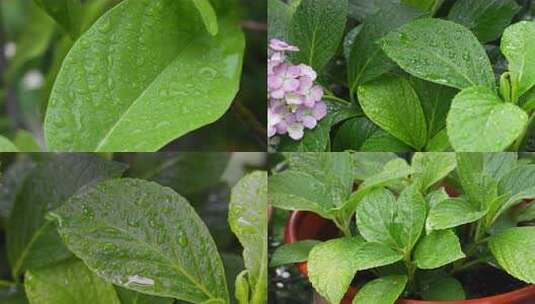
381 140
385 290
486 18
477 118
367 61
437 249
436 196
334 170
131 95
350 255
208 16
25 141
293 190
397 224
248 221
366 165
439 143
436 100
67 13
279 16
242 288
361 9
424 5
518 42
7 146
392 104
430 168
131 297
69 282
317 28
525 214
31 240
440 51
292 253
444 289
513 249
453 212
170 250
12 181
479 173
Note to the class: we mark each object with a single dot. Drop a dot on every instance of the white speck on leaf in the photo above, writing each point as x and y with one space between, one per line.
137 279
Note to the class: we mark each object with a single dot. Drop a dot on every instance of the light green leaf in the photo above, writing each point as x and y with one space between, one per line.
477 173
7 146
160 81
366 165
391 103
367 61
486 18
69 282
518 42
208 16
431 167
396 224
67 14
242 288
317 28
440 51
437 249
248 221
170 250
453 212
350 255
513 249
292 253
31 240
385 290
435 197
131 297
25 141
439 143
477 118
444 289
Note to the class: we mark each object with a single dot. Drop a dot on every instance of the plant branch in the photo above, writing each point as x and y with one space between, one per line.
337 99
254 26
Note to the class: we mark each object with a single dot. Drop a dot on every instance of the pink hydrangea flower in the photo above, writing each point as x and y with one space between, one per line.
294 100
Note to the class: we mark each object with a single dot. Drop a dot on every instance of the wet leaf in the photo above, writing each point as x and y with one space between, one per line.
440 51
279 16
248 220
131 297
513 249
145 73
518 45
170 251
68 282
67 14
480 121
317 28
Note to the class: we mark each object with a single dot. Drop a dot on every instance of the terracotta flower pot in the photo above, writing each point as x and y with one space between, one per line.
304 225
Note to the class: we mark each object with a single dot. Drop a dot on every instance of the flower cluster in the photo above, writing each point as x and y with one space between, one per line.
294 101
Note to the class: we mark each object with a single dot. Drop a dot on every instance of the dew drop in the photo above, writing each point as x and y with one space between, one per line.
182 239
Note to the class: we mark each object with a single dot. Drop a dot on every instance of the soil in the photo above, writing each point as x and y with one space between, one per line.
488 281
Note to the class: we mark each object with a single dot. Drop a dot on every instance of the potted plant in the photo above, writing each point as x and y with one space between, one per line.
400 236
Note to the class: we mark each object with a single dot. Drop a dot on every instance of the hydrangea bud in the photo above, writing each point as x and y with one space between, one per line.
294 100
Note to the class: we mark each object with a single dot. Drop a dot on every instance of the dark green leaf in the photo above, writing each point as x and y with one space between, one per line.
292 253
279 16
366 165
317 28
131 297
131 94
385 290
170 250
486 18
12 180
444 289
67 14
360 9
440 51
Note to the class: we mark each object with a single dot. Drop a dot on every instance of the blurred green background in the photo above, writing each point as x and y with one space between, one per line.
33 48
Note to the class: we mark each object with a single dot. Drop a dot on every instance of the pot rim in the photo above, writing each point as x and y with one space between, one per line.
290 236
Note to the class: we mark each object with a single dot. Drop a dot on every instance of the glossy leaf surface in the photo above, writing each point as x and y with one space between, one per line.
144 74
170 251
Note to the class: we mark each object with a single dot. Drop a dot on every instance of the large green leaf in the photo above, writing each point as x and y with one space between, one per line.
440 51
453 212
398 224
392 104
385 290
278 19
480 121
366 165
518 43
68 282
486 18
367 61
424 5
67 14
437 249
248 220
431 167
208 15
360 9
7 146
317 28
513 249
350 255
443 289
32 241
478 174
292 253
144 74
169 250
131 297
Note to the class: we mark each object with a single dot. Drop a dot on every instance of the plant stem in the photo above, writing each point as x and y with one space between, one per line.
343 226
520 139
464 266
337 99
411 269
